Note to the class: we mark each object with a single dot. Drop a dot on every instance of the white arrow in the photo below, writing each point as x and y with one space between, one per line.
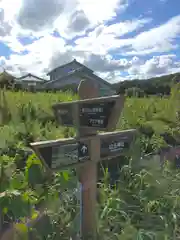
83 149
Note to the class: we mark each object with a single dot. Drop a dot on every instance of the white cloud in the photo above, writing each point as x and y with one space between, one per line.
106 63
138 68
37 15
37 60
70 18
155 66
87 14
5 26
13 43
105 38
158 39
96 39
101 10
10 8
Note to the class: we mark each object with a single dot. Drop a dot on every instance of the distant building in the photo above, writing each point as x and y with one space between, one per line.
29 82
68 76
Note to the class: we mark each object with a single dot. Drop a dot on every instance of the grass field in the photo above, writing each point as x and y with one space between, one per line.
145 203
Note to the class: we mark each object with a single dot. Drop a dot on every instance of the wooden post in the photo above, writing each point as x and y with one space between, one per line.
88 172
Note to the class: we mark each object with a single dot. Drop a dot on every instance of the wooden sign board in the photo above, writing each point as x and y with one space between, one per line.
63 153
171 154
97 113
116 143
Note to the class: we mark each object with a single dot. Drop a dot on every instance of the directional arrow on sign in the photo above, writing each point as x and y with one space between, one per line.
84 149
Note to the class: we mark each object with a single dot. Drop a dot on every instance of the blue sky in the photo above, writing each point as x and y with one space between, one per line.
118 39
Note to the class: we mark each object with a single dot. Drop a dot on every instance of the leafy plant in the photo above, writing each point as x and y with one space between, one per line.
143 203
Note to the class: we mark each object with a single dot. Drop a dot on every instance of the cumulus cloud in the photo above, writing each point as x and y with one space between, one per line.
105 38
69 18
38 56
158 39
78 21
87 14
106 63
154 66
5 26
39 14
102 10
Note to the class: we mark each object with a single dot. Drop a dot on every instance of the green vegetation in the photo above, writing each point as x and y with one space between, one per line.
144 204
153 86
6 80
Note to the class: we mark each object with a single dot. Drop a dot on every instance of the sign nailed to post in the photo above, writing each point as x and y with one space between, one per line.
62 153
95 114
98 113
116 143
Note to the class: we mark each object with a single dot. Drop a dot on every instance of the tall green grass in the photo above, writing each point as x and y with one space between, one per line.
144 204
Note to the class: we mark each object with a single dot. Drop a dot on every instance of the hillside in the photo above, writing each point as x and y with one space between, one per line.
152 86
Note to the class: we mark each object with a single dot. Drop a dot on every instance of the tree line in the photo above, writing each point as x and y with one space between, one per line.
153 86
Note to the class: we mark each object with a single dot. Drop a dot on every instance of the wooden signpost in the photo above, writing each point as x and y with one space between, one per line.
88 115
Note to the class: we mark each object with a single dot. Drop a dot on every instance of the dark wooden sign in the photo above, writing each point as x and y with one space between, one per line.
61 154
97 113
116 143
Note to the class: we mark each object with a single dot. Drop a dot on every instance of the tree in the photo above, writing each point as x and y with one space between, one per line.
134 92
6 80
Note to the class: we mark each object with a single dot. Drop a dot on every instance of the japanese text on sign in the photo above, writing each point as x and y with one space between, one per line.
116 146
92 110
96 121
